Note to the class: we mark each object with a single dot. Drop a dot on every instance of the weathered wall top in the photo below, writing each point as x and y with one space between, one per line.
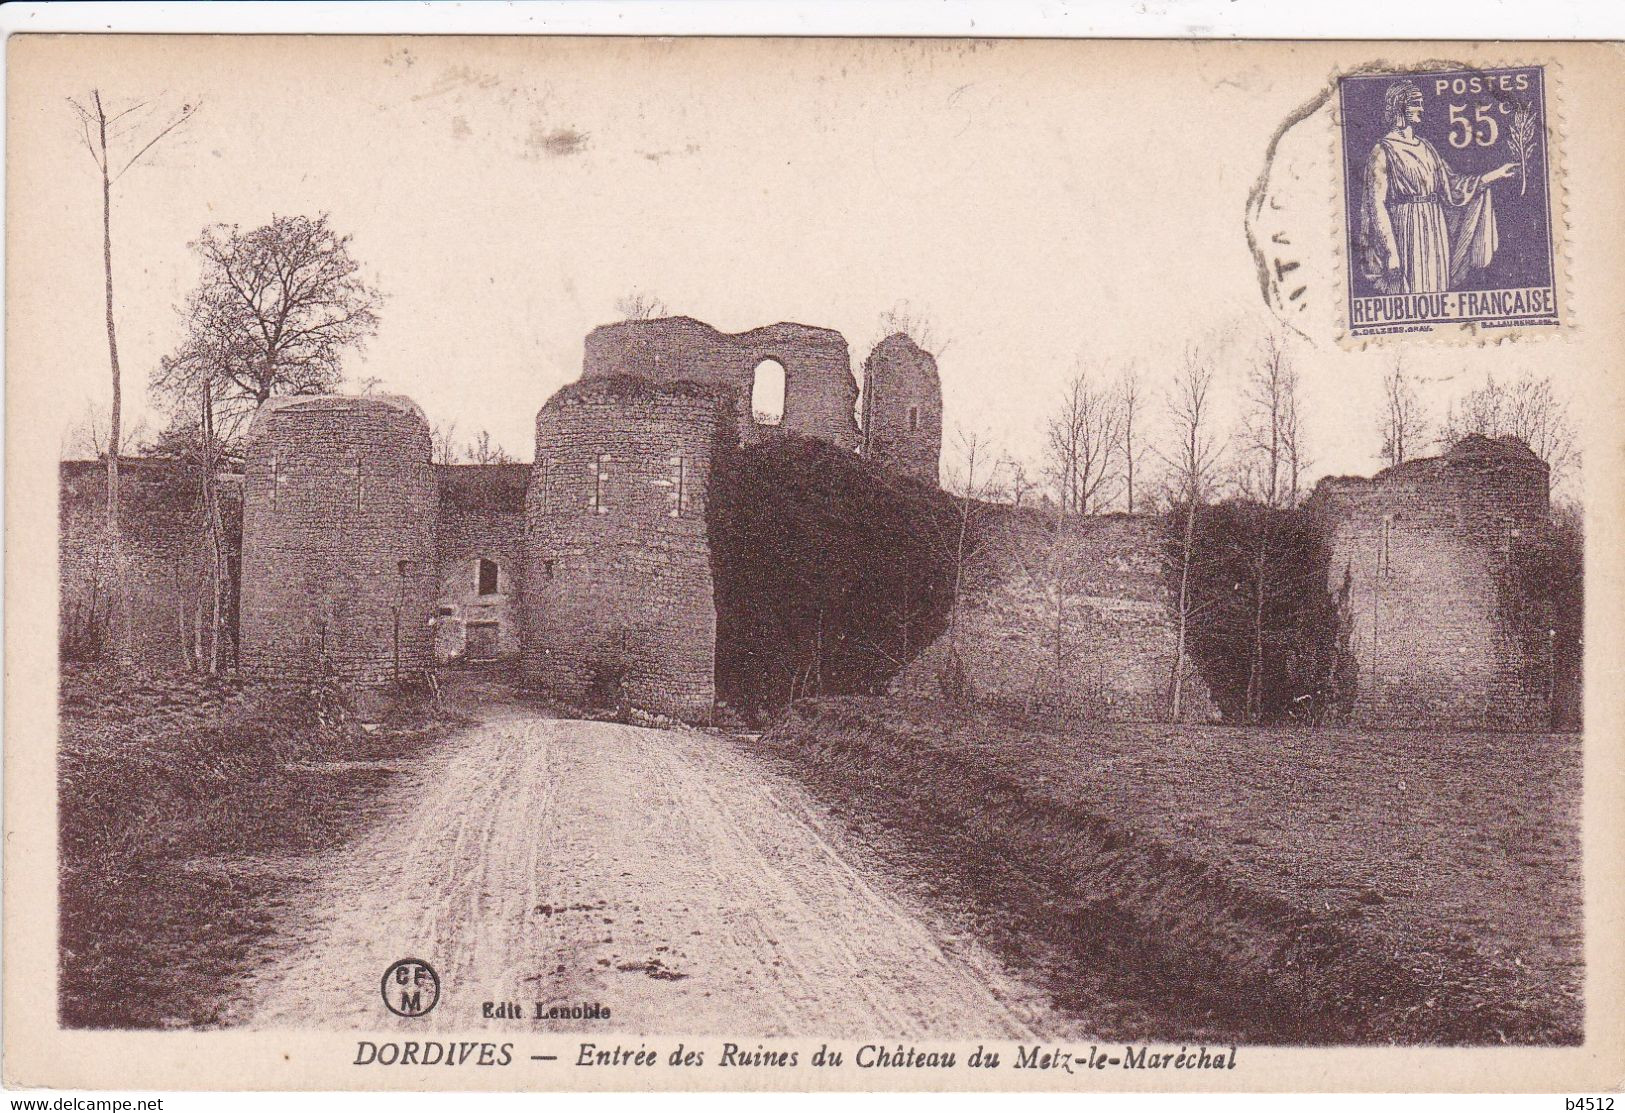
335 403
634 388
820 391
1473 452
1475 447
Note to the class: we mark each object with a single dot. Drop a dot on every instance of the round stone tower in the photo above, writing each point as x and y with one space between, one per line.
1426 556
618 603
338 573
902 408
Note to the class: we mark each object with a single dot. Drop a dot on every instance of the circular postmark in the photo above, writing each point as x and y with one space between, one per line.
1482 277
411 987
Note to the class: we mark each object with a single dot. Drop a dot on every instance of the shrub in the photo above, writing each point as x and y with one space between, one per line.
1267 635
830 573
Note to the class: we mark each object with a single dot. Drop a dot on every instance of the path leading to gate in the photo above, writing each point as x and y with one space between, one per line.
672 876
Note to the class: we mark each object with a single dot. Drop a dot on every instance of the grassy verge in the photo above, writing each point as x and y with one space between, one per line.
189 811
1215 883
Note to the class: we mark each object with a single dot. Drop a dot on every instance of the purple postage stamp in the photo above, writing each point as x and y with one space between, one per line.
1448 205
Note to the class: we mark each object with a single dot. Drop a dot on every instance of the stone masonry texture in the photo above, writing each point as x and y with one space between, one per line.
1426 550
481 517
1112 654
338 572
161 552
820 392
618 603
902 409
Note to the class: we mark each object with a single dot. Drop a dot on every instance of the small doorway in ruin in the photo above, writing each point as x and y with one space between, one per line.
482 643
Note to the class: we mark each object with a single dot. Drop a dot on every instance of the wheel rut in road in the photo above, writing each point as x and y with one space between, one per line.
670 876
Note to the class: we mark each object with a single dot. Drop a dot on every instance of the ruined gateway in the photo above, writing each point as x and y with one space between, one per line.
362 560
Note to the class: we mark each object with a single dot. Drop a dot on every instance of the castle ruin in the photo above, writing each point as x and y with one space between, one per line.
1425 555
363 561
593 565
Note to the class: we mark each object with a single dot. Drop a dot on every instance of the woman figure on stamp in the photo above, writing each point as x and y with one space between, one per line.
1422 225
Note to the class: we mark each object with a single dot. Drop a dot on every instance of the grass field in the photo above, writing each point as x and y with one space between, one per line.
190 811
1257 884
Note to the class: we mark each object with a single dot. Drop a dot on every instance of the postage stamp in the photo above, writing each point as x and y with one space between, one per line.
1447 201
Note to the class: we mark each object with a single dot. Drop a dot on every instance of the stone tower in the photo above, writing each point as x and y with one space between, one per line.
618 600
902 408
338 573
1428 551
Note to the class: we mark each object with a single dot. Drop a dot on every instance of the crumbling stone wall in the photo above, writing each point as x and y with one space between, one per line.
1111 655
902 408
164 564
820 392
619 603
1436 623
481 517
338 571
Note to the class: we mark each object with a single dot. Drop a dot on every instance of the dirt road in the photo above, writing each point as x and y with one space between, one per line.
668 875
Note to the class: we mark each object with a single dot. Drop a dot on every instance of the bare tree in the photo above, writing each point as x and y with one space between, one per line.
1081 439
1191 467
1019 483
903 318
638 306
205 436
1271 457
1269 463
272 314
1130 403
960 538
274 311
208 415
1295 452
1051 572
443 438
1269 466
482 451
107 142
1527 409
89 437
973 485
1404 422
108 136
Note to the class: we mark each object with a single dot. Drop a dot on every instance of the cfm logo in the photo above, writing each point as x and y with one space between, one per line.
411 987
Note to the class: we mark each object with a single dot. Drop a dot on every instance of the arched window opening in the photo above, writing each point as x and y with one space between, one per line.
767 393
488 577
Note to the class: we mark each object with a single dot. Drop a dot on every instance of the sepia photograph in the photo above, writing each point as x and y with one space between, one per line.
831 563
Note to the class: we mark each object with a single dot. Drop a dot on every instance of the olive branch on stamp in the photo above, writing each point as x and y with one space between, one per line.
1521 134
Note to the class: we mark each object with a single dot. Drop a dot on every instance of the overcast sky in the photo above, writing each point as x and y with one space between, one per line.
1038 204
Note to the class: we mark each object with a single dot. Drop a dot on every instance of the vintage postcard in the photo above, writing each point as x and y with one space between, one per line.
813 564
